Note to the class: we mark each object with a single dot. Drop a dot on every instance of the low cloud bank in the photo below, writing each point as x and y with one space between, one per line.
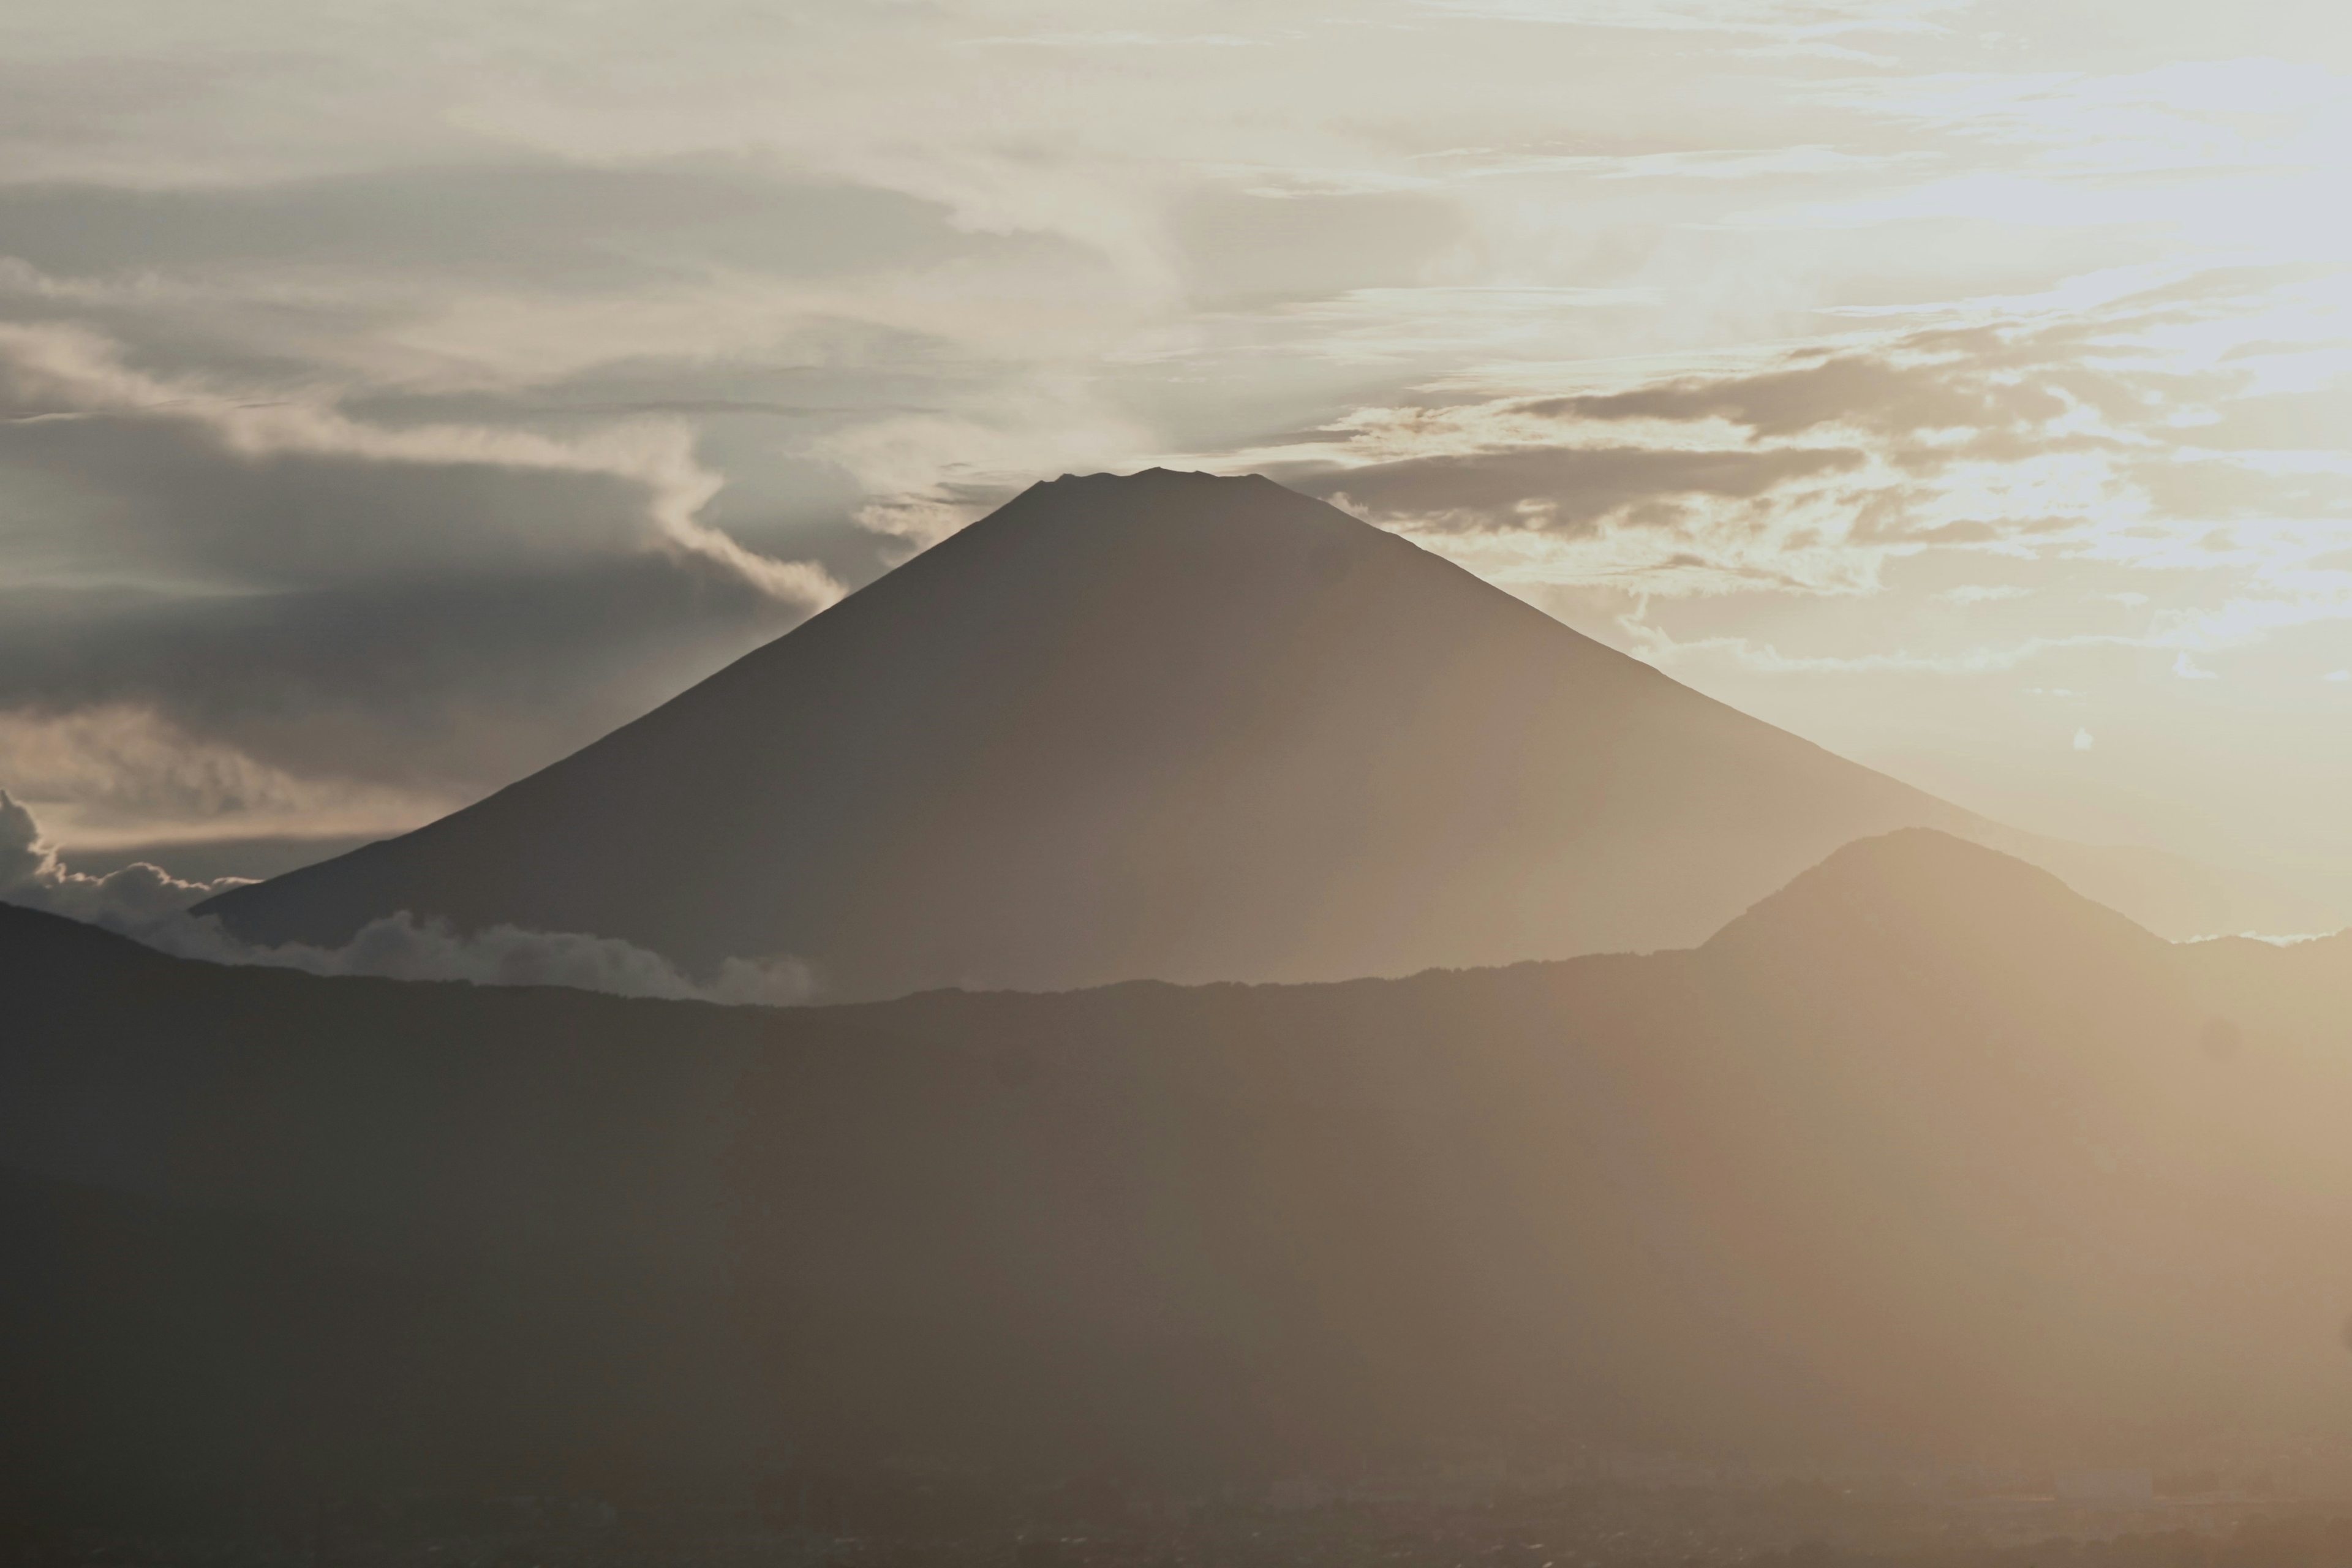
151 906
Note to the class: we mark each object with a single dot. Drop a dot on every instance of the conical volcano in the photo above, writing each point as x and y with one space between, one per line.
1163 726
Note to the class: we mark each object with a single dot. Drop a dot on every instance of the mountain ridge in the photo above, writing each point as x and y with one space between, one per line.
1820 1185
1173 725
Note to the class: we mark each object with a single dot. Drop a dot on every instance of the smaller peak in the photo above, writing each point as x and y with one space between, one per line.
1924 888
1926 848
1923 862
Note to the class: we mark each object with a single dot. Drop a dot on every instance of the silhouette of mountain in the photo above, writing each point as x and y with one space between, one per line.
1167 725
1921 1155
205 1356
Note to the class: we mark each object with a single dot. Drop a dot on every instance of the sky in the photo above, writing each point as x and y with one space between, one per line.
394 398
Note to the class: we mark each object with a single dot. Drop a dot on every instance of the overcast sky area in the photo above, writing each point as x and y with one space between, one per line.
394 398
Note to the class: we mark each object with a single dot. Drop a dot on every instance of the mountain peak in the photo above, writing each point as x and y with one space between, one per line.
1163 725
1244 511
1918 896
1155 479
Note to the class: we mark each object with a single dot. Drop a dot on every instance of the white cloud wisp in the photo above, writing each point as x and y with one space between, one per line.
151 906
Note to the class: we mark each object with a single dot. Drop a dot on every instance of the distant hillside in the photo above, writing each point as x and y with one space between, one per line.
208 1359
1167 726
1923 1154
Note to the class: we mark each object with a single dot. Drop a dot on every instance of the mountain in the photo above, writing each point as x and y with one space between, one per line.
203 1356
1923 1155
1167 725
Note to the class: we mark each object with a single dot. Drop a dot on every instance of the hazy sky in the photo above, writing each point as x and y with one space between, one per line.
398 396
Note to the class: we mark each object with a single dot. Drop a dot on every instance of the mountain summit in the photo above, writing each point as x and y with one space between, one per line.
1167 725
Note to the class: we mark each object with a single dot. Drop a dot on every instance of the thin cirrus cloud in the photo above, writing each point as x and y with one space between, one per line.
549 224
1983 593
1793 19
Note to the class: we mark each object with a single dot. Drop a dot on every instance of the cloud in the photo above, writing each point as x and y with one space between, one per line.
549 224
2052 426
149 905
1241 249
123 763
348 707
2083 740
134 898
1768 660
287 489
339 623
1569 489
1935 382
2180 637
1792 19
23 856
1707 163
399 947
2200 115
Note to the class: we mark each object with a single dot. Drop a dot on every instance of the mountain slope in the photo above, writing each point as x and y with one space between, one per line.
1168 725
1922 1154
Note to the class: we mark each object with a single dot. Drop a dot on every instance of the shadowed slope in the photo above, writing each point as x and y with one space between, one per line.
1168 725
1923 1154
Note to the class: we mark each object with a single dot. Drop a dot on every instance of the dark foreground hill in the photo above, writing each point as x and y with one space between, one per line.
1923 1155
1170 726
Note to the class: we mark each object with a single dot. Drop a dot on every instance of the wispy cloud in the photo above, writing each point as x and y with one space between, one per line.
60 374
1725 164
151 906
1984 592
1794 19
113 768
2045 433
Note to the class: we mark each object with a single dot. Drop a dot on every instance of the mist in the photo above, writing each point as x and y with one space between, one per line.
152 907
